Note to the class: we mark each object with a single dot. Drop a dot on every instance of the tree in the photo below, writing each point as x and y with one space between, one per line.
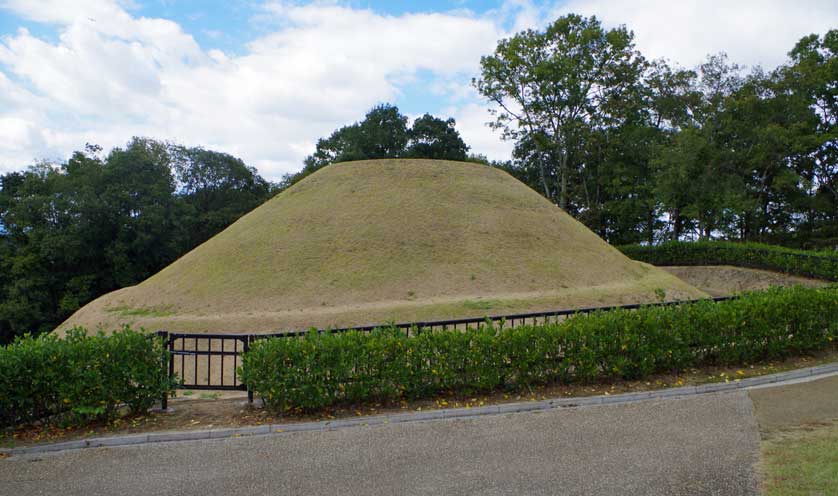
434 138
137 198
687 184
383 133
33 222
553 86
812 74
768 137
73 231
215 189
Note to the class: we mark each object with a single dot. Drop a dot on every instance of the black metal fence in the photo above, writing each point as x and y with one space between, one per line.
209 361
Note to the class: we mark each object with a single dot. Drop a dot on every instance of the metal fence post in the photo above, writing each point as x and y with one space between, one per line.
167 364
246 349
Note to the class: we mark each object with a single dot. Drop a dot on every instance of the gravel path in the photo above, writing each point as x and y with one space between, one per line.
699 445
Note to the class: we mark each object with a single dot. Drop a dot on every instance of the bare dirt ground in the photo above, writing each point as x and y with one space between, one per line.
724 280
803 405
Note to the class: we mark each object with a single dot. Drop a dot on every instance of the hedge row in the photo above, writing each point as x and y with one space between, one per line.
80 378
323 369
798 262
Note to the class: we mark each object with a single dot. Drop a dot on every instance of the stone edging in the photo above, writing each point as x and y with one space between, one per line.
529 406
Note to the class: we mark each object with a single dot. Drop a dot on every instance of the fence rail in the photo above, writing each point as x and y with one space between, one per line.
209 361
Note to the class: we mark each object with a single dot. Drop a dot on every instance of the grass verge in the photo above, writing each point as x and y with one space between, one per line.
802 462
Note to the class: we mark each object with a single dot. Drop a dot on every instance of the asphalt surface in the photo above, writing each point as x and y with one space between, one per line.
706 444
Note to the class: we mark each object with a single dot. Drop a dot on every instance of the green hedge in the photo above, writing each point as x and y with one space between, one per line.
798 262
80 378
319 370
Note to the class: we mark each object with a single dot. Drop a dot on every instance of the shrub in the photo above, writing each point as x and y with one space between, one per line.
322 369
798 262
80 378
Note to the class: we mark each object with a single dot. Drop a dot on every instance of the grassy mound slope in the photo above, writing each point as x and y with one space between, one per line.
370 241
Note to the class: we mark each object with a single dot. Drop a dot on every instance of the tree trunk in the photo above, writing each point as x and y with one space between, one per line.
676 224
650 222
543 177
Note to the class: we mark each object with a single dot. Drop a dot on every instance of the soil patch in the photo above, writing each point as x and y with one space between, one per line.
795 405
726 280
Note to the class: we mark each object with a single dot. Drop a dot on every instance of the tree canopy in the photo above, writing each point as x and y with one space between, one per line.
383 133
641 151
73 231
553 86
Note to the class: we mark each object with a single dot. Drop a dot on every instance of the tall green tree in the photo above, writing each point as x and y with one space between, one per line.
696 186
214 190
768 137
73 231
812 74
383 133
434 138
553 86
137 189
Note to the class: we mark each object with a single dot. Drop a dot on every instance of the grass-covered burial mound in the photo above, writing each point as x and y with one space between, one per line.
373 241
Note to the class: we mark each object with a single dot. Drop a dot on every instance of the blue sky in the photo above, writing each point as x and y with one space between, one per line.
232 19
263 79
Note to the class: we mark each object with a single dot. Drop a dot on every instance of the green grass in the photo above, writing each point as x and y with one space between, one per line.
803 462
126 311
482 304
380 232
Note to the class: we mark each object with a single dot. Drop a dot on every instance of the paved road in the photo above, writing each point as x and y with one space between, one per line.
699 445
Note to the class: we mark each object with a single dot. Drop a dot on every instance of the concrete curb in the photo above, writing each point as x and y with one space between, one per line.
453 413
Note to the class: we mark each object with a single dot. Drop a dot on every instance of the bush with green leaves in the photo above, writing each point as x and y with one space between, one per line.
80 378
817 264
323 369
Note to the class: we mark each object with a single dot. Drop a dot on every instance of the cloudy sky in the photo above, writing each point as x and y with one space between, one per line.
264 79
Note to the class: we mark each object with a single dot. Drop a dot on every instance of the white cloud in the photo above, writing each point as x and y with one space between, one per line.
322 67
752 32
471 122
111 74
64 12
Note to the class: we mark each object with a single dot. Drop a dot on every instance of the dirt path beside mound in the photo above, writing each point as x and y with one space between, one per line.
806 404
725 280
